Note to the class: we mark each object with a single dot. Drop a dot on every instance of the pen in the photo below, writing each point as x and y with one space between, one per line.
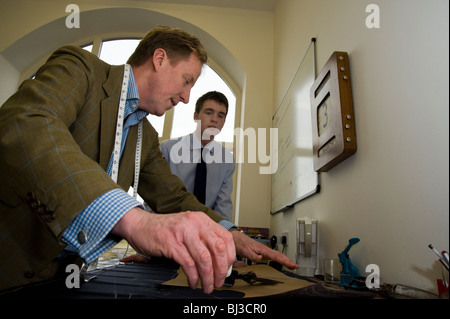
445 255
444 264
444 279
436 252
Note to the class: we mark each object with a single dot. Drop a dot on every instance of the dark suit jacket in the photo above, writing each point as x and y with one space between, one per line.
56 139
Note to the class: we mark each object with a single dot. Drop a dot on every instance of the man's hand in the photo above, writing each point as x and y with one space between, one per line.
203 248
256 251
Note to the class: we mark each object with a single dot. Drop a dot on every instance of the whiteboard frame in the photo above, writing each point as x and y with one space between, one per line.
313 185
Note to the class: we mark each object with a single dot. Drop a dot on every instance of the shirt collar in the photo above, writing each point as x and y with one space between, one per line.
133 99
132 93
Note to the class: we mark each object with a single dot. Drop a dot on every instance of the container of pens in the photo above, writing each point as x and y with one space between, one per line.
442 284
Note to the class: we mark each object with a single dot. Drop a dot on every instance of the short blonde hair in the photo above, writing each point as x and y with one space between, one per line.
177 43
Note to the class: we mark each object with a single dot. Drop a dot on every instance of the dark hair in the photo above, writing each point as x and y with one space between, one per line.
212 95
177 43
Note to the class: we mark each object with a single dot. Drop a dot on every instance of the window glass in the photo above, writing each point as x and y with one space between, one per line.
117 52
88 47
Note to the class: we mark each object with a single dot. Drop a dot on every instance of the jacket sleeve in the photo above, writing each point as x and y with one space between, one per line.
39 156
163 191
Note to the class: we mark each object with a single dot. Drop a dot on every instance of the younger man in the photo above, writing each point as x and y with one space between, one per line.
184 155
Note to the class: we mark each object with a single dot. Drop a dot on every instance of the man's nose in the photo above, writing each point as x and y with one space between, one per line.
184 96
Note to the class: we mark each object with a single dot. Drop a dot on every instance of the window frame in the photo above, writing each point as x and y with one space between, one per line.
168 121
97 44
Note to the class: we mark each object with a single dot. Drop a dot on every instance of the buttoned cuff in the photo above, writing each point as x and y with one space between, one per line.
88 232
227 225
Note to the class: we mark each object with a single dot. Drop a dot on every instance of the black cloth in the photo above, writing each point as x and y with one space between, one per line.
144 281
123 281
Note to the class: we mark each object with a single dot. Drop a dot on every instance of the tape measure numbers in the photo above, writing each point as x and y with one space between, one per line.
119 134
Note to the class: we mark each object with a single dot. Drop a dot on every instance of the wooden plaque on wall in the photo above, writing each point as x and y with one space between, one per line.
333 119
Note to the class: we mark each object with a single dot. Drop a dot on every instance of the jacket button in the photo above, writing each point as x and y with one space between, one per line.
82 238
29 197
29 274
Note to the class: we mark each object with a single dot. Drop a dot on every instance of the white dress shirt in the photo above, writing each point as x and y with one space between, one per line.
183 154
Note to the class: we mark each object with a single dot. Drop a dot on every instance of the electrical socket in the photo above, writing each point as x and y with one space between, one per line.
285 234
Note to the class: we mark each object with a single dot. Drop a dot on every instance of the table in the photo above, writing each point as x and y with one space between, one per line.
145 281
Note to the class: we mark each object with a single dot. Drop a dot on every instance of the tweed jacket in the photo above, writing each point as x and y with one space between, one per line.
56 139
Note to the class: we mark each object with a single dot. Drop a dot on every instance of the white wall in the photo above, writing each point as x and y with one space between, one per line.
393 193
246 34
9 79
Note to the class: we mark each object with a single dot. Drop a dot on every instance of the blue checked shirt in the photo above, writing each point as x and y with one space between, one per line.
96 221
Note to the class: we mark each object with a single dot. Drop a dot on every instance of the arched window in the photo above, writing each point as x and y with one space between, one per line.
100 28
181 122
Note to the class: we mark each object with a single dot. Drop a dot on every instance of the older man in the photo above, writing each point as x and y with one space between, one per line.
69 141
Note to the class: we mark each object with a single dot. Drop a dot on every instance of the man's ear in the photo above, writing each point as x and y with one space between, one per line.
195 116
159 57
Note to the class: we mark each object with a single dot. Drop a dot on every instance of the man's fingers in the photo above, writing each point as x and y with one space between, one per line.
134 258
200 246
255 251
220 262
201 265
204 265
184 259
190 269
280 258
213 254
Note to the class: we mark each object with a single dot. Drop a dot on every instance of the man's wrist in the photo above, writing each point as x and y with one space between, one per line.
88 232
124 227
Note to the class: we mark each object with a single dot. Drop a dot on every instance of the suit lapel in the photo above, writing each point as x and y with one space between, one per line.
126 168
109 110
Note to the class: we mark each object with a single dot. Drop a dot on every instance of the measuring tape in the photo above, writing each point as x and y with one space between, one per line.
119 134
137 160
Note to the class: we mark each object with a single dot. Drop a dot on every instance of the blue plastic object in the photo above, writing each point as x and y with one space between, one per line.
349 271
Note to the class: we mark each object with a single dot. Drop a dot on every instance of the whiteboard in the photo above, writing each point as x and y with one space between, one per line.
295 178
